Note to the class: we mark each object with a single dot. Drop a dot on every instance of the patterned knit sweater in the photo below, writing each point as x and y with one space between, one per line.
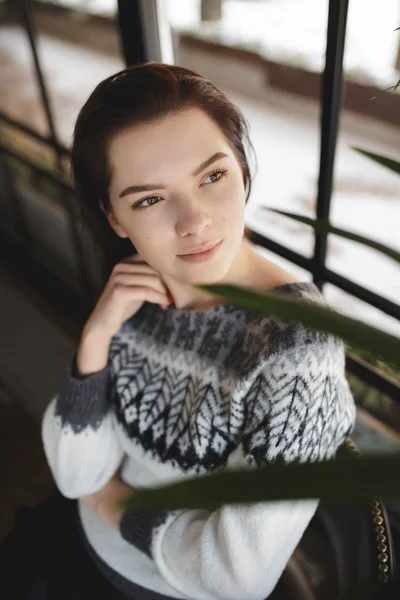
188 392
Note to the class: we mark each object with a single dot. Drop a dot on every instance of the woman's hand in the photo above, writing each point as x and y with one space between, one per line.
131 283
106 501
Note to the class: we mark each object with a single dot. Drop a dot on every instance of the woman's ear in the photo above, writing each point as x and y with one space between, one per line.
113 222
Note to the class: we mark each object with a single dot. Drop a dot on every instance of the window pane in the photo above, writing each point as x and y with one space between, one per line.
366 195
357 309
78 46
276 84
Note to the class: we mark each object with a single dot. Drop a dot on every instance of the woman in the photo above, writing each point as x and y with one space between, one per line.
168 380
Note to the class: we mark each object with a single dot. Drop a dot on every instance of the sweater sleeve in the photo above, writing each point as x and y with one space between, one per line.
78 433
300 408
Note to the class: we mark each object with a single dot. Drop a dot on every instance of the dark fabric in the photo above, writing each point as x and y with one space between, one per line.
136 526
44 558
83 400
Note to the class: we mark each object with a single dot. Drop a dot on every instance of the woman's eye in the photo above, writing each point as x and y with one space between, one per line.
220 172
140 203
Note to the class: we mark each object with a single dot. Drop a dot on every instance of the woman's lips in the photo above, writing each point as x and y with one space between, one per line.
201 256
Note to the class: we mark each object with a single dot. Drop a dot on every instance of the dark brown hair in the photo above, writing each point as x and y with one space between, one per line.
138 94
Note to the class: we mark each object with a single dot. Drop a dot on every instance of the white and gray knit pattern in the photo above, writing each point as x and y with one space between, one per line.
188 392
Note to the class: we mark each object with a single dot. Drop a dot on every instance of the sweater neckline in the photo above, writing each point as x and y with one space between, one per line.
220 307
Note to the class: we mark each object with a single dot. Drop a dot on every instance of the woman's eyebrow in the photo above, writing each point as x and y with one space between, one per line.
133 189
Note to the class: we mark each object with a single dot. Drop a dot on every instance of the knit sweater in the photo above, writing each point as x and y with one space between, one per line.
188 392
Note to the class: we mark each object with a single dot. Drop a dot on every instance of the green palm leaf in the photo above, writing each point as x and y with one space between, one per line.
390 163
323 226
350 479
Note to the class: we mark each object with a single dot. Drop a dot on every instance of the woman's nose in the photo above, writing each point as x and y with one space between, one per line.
192 219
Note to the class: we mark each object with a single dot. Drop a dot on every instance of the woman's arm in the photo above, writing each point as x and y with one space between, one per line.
236 552
78 432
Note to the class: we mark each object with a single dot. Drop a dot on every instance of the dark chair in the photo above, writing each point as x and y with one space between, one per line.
43 557
346 547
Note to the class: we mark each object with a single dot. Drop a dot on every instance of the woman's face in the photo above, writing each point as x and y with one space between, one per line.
186 208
